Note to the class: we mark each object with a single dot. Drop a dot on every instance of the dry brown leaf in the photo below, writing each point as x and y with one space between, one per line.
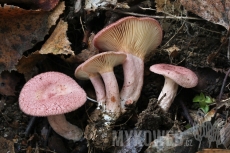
6 145
200 119
168 7
216 11
58 42
211 56
26 65
45 5
214 151
173 51
8 82
21 30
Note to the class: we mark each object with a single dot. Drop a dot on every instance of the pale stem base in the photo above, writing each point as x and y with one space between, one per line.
169 91
65 129
99 88
133 80
112 93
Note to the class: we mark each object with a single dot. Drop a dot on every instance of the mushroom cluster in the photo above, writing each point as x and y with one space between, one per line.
137 37
103 64
126 42
131 39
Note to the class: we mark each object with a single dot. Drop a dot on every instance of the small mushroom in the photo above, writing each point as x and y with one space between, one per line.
97 83
174 76
137 37
104 63
52 94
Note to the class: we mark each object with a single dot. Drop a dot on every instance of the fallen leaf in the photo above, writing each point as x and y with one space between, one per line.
58 42
6 145
214 151
8 82
211 56
166 6
216 11
29 149
122 5
27 65
200 118
45 5
21 30
173 51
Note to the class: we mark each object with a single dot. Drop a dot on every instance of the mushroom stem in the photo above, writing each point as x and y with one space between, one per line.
112 93
99 88
169 92
65 129
133 80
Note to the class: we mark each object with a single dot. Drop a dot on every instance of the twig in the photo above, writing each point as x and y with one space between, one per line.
203 28
124 122
143 8
82 26
86 38
47 135
222 87
92 100
155 10
40 149
222 44
172 37
228 52
30 124
153 16
186 113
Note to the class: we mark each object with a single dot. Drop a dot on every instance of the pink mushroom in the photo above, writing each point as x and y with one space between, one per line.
104 63
174 76
97 83
137 37
52 94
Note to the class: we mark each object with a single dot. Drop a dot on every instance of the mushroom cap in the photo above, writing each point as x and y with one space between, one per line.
51 93
181 75
80 74
137 36
83 75
104 62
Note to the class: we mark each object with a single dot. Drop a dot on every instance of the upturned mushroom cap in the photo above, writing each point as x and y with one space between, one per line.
51 93
82 75
96 81
181 75
137 36
104 62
